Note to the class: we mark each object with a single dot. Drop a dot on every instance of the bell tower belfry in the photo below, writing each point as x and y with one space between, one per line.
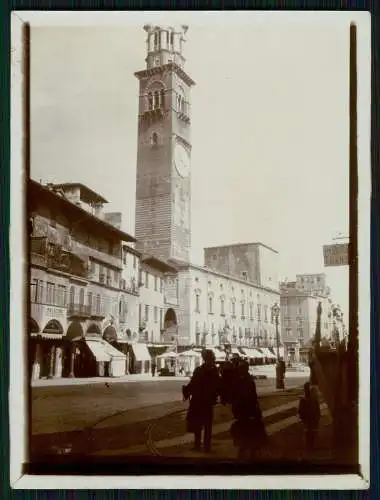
162 224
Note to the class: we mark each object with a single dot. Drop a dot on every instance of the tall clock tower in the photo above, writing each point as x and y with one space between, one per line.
164 147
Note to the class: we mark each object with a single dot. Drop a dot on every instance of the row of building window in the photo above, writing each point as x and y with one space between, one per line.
233 308
125 259
145 278
242 291
56 295
300 330
158 314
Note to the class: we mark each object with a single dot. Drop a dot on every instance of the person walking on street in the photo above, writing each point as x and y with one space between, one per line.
153 366
248 431
310 414
202 391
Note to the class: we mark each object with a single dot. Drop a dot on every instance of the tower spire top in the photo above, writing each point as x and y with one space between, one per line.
165 45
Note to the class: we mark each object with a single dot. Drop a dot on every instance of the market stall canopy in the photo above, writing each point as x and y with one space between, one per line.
141 352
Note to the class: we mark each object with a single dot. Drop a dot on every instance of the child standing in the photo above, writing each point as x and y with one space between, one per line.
310 413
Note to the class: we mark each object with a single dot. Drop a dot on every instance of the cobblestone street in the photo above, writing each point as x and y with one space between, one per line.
95 417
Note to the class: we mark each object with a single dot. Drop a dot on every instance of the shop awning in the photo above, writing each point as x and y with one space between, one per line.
268 353
112 351
98 350
253 353
141 352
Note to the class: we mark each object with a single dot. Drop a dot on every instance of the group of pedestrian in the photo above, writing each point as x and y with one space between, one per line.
233 385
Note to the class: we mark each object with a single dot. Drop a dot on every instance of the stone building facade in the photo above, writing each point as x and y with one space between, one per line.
75 276
155 303
299 303
218 309
129 295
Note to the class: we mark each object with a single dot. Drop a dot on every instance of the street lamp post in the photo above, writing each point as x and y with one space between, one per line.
280 364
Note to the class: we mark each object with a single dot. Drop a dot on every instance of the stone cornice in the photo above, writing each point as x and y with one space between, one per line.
162 69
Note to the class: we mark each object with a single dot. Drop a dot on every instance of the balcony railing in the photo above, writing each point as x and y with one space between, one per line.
57 257
79 310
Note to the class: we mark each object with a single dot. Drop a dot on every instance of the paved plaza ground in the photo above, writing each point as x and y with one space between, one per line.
116 419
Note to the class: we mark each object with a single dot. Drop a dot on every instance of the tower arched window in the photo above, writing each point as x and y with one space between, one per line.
150 101
156 99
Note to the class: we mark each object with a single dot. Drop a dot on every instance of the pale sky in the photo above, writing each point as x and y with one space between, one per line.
270 130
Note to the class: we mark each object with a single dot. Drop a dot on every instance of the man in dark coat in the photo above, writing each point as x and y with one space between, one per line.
203 391
248 431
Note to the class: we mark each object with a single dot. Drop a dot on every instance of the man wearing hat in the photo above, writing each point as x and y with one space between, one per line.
202 391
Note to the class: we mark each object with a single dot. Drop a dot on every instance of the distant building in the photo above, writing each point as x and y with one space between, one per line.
129 295
217 309
299 303
156 300
75 277
255 263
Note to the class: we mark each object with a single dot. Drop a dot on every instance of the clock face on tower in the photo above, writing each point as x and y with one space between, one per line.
181 160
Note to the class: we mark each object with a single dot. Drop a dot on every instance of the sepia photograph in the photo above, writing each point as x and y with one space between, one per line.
196 235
